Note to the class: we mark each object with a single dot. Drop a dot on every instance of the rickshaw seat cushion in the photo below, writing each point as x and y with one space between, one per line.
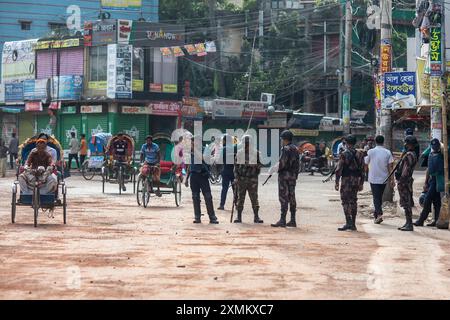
166 166
44 198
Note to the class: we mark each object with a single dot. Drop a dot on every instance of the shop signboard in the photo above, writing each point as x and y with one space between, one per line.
91 109
35 89
67 87
123 5
100 32
120 71
165 108
157 35
135 110
191 108
33 106
399 90
435 51
227 108
13 92
18 61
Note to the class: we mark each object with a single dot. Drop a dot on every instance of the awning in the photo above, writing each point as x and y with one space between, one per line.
13 108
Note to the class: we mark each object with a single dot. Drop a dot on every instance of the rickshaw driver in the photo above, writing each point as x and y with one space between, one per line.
49 149
39 161
151 158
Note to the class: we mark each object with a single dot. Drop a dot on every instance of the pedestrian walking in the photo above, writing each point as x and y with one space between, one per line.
3 159
288 169
198 176
83 149
73 152
404 178
350 175
434 185
13 150
379 162
227 157
246 172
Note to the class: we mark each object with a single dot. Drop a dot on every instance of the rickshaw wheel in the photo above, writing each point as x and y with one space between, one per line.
88 174
36 199
13 205
64 192
138 191
146 184
103 179
177 192
120 179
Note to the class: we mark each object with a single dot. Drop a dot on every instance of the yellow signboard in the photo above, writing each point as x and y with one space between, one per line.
138 85
305 132
122 4
170 88
97 85
54 44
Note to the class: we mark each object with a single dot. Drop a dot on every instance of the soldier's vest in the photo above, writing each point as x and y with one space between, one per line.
351 166
293 163
248 171
399 171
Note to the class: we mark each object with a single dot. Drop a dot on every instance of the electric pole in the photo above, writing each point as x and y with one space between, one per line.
346 109
386 66
216 30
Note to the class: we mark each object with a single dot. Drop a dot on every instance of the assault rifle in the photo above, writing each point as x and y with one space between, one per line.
395 168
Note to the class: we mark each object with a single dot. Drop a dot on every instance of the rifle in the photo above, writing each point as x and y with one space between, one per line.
270 176
330 176
395 168
234 202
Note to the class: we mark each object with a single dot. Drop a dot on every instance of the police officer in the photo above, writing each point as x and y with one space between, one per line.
434 184
288 169
403 175
227 158
350 173
198 173
246 171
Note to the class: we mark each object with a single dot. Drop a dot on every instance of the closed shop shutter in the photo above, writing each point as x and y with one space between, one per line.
42 121
46 64
95 123
70 123
26 126
9 125
135 126
71 62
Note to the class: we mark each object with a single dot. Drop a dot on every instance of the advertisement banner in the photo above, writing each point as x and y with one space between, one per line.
346 108
436 91
435 52
120 71
56 44
134 5
35 89
386 58
97 85
91 109
399 90
157 35
423 80
201 50
138 85
156 87
13 92
191 108
33 106
100 32
255 109
67 87
18 60
227 108
165 108
169 88
124 28
69 110
177 52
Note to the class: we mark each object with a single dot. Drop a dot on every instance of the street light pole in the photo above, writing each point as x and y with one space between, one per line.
347 68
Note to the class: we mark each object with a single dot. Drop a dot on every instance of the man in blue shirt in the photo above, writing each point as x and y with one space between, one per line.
150 159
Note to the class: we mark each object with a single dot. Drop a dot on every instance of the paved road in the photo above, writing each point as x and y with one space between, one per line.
111 248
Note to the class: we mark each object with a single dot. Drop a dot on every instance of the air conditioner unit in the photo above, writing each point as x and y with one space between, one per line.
268 97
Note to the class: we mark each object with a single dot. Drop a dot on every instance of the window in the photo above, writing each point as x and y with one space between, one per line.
25 25
57 28
97 63
164 68
138 64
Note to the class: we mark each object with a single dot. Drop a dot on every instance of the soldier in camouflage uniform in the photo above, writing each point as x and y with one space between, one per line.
246 171
350 172
288 169
403 175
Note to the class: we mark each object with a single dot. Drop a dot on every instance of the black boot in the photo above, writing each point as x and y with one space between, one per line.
197 210
436 217
210 208
408 225
256 218
353 228
239 217
421 220
282 222
292 223
347 225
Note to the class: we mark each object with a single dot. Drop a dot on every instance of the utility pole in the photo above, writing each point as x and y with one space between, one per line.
386 66
218 35
347 67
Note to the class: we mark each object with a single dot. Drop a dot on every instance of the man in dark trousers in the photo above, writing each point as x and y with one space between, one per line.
288 169
434 185
350 173
227 157
13 150
404 178
198 173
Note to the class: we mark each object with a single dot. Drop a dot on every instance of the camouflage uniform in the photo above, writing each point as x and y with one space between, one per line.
405 181
246 175
350 171
288 170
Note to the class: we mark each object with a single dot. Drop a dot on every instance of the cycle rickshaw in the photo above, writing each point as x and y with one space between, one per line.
119 167
171 176
37 200
97 147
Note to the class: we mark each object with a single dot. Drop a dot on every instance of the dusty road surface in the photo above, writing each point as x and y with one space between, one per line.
111 248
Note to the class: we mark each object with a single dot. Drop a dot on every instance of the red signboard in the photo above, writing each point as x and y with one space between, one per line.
33 106
155 87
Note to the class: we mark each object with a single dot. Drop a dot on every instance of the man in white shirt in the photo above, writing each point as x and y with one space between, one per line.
74 148
379 161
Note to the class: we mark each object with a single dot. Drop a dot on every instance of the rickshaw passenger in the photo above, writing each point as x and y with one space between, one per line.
120 147
151 156
39 159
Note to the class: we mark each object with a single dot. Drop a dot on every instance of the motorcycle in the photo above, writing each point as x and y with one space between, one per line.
322 165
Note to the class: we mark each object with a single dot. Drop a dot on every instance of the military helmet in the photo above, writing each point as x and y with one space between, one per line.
287 135
411 140
350 139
